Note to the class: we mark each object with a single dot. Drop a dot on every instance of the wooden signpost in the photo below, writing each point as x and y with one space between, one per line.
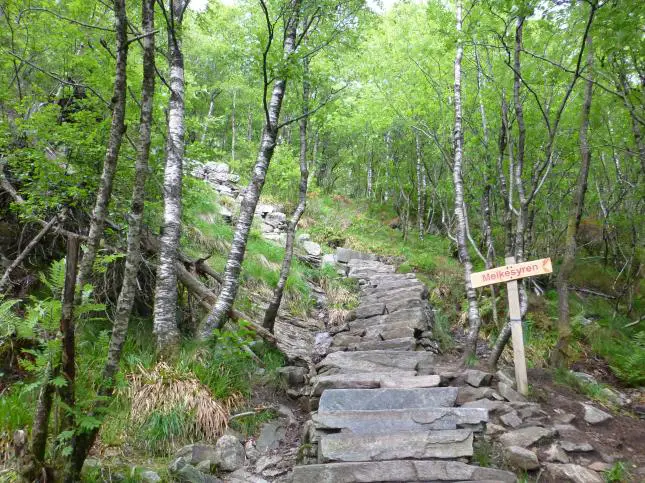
510 274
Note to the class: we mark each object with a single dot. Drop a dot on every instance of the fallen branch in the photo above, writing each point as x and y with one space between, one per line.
593 292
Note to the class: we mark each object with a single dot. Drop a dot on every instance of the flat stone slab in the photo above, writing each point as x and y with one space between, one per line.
572 473
372 361
409 382
387 285
359 380
344 255
386 398
401 470
386 421
358 272
379 278
525 437
365 311
378 447
419 291
390 331
414 317
402 344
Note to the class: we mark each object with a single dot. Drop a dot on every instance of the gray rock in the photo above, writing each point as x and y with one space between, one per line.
508 393
275 218
572 473
226 214
409 382
379 447
370 310
206 466
366 380
312 248
322 343
183 472
386 421
328 259
525 437
293 376
400 470
493 429
564 418
372 361
570 446
195 453
556 454
492 406
403 344
287 413
600 466
271 435
377 399
344 255
267 462
469 393
243 476
415 317
505 378
229 453
616 397
263 209
584 377
521 458
302 237
149 476
511 419
477 378
266 228
594 415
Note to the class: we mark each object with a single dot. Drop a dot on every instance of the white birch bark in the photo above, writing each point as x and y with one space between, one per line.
230 284
474 319
165 306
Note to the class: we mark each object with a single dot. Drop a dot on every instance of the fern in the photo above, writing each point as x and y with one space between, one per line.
8 320
630 365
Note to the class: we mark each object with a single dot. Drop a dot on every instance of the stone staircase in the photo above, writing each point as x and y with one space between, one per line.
381 413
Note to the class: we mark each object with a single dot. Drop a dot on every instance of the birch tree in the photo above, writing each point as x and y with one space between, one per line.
272 108
474 319
117 130
165 308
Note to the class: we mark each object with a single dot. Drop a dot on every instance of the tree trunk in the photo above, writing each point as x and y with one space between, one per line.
272 311
117 130
254 189
83 442
165 306
462 244
233 130
420 187
559 356
370 174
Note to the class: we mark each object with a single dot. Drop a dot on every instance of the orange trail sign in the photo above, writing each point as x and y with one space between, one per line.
511 272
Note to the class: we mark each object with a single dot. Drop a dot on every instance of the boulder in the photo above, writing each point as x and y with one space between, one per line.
372 361
263 209
570 447
555 454
312 248
526 437
502 376
328 259
594 415
572 473
511 419
229 453
521 458
302 237
477 378
195 453
293 376
149 476
508 393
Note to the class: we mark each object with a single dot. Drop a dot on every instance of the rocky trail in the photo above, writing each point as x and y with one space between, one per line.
383 405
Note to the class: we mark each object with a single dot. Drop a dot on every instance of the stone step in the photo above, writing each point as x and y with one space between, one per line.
397 445
359 380
389 285
416 317
385 421
380 278
386 398
407 382
373 361
402 344
419 291
398 471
